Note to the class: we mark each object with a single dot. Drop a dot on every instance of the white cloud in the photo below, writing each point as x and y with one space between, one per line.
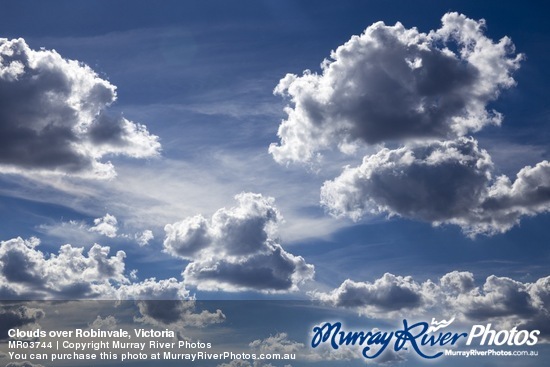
389 295
104 323
500 300
395 83
149 196
499 297
431 182
107 226
457 282
425 91
28 273
144 238
151 289
237 249
278 343
439 182
507 201
133 274
53 117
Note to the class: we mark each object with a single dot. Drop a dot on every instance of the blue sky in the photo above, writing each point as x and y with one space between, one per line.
190 140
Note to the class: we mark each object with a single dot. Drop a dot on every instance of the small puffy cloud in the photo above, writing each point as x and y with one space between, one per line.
53 119
506 202
540 294
457 282
164 289
107 323
278 343
134 274
439 182
500 300
393 83
237 249
499 297
106 226
388 295
144 238
186 239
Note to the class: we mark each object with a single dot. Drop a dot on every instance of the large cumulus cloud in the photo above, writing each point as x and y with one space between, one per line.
432 182
237 249
53 118
423 93
439 182
396 83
